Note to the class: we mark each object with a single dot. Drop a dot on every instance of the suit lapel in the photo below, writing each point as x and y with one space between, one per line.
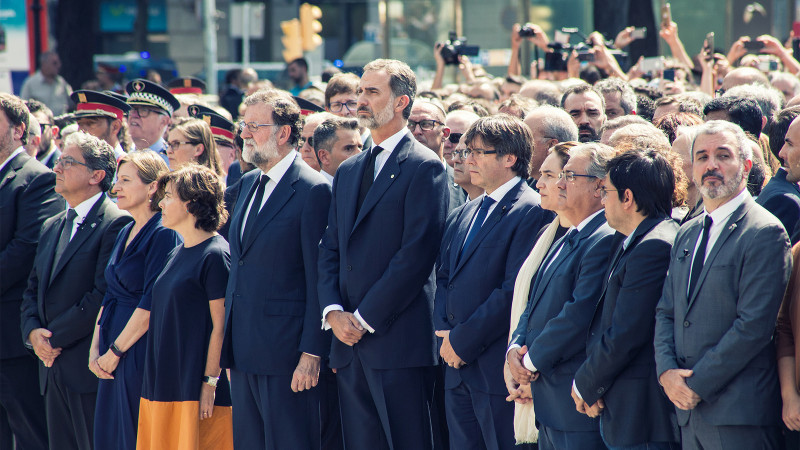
85 229
387 175
248 186
730 227
461 233
280 195
12 167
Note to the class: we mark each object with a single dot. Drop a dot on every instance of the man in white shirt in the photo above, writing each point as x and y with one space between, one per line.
47 86
335 140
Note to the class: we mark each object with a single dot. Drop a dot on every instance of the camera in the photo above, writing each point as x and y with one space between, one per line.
456 46
527 31
556 60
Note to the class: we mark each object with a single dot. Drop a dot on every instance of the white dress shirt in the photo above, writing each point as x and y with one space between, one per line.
83 210
497 195
275 174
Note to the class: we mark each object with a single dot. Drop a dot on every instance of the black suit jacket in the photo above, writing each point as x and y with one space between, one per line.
68 304
27 198
620 366
782 199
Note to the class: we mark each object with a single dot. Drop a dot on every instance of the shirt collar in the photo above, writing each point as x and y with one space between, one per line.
719 215
501 192
13 155
327 176
586 221
85 206
278 170
391 142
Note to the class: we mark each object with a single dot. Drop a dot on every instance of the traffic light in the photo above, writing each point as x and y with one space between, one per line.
310 26
292 40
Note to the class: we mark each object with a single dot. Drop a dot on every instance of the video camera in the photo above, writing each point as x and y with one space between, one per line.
556 60
456 46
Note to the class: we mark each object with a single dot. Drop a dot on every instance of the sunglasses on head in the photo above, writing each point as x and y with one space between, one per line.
454 137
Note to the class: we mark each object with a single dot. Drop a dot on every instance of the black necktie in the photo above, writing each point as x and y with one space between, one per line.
369 175
258 197
480 217
700 256
66 235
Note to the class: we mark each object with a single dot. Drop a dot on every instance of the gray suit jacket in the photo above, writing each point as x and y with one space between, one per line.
723 331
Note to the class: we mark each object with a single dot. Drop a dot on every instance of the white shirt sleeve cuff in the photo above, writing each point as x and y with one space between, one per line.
575 388
363 322
325 324
511 347
526 361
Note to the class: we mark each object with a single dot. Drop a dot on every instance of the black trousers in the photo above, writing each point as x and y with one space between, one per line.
70 416
22 413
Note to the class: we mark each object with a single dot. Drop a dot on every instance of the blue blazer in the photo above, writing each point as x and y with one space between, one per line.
379 260
271 306
473 293
555 323
782 199
620 366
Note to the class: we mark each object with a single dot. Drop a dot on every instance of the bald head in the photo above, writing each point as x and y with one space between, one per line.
744 75
458 122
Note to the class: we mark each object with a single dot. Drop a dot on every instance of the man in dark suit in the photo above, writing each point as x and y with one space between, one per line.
781 196
67 285
549 343
714 323
426 123
617 382
27 199
273 342
489 238
376 280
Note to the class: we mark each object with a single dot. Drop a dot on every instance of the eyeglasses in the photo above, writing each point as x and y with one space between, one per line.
472 151
44 126
68 161
337 106
426 125
454 137
253 127
144 113
604 192
173 145
305 140
570 175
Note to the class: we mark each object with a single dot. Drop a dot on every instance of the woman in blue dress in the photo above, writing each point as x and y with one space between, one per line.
118 349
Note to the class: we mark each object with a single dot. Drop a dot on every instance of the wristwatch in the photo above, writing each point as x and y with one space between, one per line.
211 381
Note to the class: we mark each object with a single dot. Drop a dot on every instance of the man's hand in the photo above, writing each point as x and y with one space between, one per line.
448 354
624 38
437 54
580 405
516 392
669 33
674 383
595 410
518 371
737 49
306 375
40 341
345 326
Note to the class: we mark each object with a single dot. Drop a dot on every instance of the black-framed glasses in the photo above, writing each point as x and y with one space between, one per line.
337 106
476 151
604 192
253 126
454 137
303 140
44 126
426 125
173 145
68 161
144 113
570 175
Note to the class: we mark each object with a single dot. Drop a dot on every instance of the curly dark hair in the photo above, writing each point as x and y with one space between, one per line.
203 190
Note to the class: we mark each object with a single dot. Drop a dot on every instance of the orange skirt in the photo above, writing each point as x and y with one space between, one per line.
177 426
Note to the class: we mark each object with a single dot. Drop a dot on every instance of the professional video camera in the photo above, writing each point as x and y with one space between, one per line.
456 46
556 60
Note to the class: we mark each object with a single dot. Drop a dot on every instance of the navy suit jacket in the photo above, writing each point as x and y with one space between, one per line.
473 293
556 321
379 260
724 330
782 199
271 306
620 366
67 304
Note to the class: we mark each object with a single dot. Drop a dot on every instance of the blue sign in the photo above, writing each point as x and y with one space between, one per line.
118 16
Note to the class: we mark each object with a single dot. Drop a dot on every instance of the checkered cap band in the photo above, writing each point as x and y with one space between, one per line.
149 99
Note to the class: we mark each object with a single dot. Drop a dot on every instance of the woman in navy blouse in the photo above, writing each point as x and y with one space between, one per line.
118 349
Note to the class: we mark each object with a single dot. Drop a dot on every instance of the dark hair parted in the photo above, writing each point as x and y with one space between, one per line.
16 112
149 167
507 135
97 154
582 89
779 128
203 191
402 80
650 178
285 111
341 83
325 133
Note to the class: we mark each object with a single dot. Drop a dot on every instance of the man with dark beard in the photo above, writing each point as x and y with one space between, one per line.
587 108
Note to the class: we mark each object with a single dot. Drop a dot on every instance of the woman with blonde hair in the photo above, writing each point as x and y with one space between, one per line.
190 141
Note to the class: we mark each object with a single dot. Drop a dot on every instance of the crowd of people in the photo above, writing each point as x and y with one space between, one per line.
588 259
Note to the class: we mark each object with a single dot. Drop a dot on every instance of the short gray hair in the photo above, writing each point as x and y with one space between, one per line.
556 123
626 95
718 127
599 156
97 153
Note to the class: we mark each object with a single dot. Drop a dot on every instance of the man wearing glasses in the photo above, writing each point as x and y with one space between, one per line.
47 153
549 125
426 123
457 122
151 112
340 99
549 343
102 116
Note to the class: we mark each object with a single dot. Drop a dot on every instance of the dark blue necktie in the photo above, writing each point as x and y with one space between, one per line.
258 197
368 179
700 256
480 217
63 240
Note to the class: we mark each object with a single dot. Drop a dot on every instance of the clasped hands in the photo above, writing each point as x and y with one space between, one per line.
40 341
345 326
446 351
674 383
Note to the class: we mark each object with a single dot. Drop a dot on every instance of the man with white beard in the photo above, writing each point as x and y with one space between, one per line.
273 341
